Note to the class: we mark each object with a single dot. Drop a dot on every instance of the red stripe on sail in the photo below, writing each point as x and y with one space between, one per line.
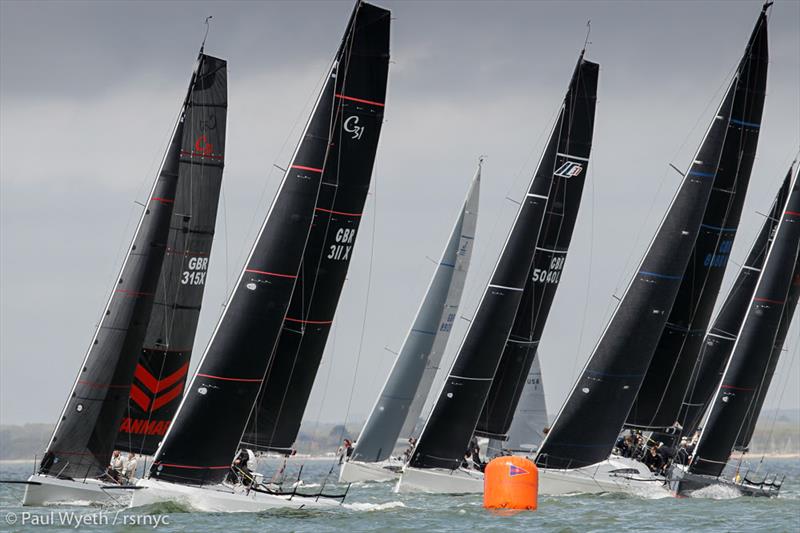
269 273
299 321
246 380
301 167
162 200
767 300
338 212
731 387
361 100
167 397
141 399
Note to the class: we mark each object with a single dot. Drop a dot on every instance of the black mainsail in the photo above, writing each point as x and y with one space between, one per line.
587 426
748 371
85 434
719 340
549 257
455 415
278 412
665 385
163 364
234 366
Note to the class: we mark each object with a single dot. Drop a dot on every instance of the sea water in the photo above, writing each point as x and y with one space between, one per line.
374 507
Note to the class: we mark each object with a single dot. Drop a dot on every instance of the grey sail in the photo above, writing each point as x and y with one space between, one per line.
530 418
394 416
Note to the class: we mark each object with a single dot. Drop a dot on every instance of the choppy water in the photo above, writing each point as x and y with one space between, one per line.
373 507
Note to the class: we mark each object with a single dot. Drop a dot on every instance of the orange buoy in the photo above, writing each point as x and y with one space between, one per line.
511 483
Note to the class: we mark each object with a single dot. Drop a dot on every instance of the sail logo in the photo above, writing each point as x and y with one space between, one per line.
569 169
202 146
158 392
351 126
514 470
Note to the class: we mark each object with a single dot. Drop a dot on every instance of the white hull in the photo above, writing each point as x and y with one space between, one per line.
221 498
617 474
613 475
46 490
440 481
355 471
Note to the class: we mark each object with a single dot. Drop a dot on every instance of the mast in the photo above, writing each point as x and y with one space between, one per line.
666 383
360 96
234 366
161 371
540 288
587 426
400 403
748 370
718 344
84 436
455 414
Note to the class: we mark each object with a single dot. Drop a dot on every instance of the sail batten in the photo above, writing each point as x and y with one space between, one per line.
457 410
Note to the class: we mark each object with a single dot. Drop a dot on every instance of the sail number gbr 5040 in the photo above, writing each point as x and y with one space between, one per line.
551 274
196 274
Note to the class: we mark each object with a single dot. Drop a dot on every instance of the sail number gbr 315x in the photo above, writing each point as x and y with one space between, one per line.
196 274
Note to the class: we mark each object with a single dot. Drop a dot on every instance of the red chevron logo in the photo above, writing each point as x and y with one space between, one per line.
154 385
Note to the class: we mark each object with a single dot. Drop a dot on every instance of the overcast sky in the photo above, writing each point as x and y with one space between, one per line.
89 91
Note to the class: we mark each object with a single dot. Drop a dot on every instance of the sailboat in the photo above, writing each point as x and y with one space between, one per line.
665 385
756 349
394 417
143 325
718 343
313 214
574 456
529 259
